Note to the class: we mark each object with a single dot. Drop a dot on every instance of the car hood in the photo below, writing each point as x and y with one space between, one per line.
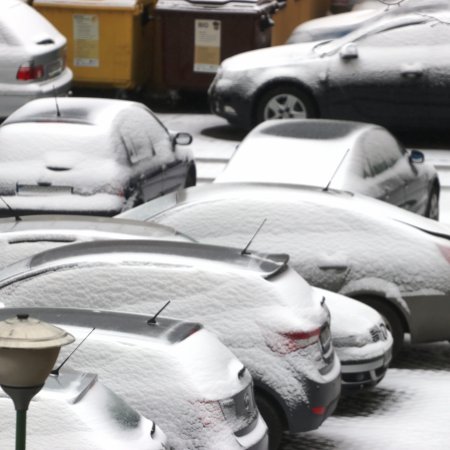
270 57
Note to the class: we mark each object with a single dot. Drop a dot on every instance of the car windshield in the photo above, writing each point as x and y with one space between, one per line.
326 48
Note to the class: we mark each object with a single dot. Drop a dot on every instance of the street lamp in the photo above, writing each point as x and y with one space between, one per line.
28 350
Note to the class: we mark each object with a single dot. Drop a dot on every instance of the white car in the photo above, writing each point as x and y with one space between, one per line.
336 240
88 156
74 410
174 371
256 304
32 57
337 154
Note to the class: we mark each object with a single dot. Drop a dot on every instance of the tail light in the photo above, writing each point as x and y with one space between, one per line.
28 72
210 413
290 342
445 251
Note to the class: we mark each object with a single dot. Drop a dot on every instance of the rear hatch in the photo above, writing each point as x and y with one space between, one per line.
44 48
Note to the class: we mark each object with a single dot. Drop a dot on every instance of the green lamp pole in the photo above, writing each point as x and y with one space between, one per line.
28 350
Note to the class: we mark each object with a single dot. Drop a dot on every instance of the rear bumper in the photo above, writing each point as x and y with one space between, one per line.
97 204
16 95
323 399
257 439
364 374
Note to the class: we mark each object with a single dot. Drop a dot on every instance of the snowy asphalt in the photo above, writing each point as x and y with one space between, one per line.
410 408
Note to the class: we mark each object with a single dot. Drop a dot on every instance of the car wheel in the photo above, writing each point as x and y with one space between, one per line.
433 204
191 179
285 102
392 318
273 419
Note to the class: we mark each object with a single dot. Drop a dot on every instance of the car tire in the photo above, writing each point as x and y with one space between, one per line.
285 102
191 178
273 418
392 318
433 204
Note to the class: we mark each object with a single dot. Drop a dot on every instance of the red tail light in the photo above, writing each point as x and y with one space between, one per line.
293 341
318 410
30 72
445 251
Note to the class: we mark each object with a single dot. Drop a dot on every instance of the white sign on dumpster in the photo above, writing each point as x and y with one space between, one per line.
207 45
85 37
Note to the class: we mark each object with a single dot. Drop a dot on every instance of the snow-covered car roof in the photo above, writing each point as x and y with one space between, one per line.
309 150
330 197
89 111
156 251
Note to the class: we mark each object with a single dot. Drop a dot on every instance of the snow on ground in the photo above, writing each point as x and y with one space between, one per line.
408 410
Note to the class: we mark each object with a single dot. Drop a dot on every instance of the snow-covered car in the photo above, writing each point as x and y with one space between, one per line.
390 72
396 261
88 156
331 27
173 371
336 26
74 410
32 57
36 233
332 154
256 304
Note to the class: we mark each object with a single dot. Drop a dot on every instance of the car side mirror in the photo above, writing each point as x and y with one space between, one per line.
183 139
416 157
349 51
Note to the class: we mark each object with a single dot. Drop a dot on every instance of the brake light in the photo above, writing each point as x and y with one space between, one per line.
30 72
445 251
292 341
318 410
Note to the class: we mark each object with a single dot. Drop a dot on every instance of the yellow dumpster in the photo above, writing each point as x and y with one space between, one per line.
109 42
292 13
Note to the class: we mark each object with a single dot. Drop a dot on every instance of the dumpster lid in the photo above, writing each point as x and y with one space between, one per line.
125 4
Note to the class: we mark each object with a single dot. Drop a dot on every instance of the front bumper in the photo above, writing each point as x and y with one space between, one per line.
357 375
226 100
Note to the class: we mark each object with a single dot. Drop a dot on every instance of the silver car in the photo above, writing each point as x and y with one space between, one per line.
88 156
32 57
391 259
153 362
74 407
333 154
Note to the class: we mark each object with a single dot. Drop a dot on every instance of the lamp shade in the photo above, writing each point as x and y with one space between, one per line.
28 350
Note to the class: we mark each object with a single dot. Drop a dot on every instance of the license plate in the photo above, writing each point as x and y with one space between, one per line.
55 68
35 189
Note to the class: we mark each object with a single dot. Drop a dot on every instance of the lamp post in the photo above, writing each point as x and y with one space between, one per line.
28 350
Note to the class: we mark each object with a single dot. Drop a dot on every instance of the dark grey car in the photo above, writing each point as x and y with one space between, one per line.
390 72
332 154
88 156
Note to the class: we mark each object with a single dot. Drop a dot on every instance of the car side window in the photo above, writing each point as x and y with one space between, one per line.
134 136
381 151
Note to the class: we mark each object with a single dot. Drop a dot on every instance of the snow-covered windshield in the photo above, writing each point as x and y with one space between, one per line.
325 48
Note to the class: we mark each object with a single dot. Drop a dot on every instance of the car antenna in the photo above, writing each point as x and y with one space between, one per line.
16 216
56 371
152 321
244 251
325 189
58 111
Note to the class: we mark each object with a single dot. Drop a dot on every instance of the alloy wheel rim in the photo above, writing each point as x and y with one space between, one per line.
285 106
